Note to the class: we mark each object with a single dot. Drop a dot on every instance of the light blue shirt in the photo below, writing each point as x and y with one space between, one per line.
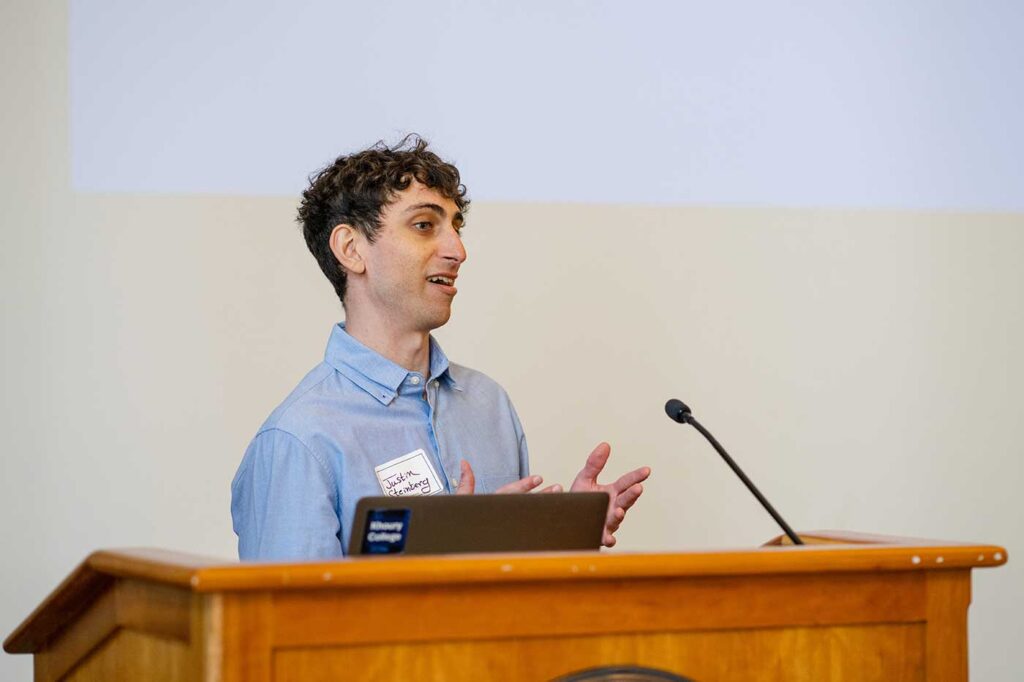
296 489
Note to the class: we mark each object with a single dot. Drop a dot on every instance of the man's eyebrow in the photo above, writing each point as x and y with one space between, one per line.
436 208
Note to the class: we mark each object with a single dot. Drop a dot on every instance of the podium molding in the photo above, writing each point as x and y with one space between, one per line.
845 606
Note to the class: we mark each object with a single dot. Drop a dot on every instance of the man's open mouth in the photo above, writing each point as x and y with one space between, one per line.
440 279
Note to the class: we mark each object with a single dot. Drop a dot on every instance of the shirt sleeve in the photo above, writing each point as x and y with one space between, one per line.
524 457
284 502
524 451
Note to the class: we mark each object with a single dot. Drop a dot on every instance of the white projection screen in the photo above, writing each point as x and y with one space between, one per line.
870 104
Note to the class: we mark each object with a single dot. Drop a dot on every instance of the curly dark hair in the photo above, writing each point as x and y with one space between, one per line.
355 189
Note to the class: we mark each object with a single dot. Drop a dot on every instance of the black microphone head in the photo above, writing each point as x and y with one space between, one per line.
677 410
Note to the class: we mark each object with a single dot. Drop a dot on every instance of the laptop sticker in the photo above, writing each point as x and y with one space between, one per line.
386 530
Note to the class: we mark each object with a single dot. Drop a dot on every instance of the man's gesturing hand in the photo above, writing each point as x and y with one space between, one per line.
467 483
623 492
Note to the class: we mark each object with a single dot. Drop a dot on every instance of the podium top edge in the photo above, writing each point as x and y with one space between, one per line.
825 552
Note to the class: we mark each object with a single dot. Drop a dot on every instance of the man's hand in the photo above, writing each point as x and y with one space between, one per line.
623 492
467 483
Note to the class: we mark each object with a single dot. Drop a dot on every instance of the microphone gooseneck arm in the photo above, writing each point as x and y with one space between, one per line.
678 411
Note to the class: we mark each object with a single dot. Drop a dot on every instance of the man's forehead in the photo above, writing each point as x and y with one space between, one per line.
419 195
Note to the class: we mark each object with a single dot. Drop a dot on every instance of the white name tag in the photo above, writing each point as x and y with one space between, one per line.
409 474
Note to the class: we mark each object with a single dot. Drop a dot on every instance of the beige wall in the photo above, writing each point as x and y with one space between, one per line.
863 366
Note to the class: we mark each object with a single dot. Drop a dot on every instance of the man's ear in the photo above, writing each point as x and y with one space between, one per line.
346 244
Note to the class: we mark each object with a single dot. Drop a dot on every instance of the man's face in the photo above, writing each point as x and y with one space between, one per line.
412 264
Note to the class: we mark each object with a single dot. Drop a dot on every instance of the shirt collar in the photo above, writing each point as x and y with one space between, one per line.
374 373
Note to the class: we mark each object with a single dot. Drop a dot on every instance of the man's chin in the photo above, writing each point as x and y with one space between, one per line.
438 320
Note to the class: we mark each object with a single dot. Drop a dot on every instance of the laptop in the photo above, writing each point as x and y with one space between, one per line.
447 524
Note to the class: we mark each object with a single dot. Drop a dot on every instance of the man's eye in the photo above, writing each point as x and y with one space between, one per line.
423 225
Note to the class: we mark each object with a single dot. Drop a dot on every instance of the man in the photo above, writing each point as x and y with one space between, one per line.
386 411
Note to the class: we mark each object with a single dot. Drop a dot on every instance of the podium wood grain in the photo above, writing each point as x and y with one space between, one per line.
844 607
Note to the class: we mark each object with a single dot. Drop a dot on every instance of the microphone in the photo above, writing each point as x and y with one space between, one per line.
678 411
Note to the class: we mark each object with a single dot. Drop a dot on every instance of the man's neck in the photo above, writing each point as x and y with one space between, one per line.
408 349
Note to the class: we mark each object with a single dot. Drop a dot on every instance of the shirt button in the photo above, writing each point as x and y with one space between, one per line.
414 380
435 384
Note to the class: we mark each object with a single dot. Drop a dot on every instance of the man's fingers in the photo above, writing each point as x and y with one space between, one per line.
523 485
612 523
592 468
627 498
614 519
617 513
631 478
467 480
622 494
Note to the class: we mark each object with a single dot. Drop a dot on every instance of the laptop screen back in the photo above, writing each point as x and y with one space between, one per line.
442 524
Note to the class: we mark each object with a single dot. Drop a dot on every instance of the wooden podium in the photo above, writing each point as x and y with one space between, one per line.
847 607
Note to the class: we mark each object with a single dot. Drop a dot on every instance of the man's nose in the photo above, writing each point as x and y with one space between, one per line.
452 248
